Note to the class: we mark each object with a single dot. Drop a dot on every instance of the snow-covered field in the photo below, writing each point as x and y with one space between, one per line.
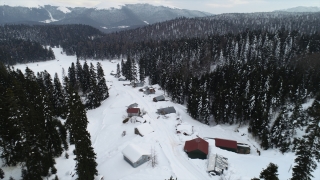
106 128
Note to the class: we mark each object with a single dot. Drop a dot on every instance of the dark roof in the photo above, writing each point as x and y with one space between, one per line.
159 98
167 110
196 144
225 143
133 110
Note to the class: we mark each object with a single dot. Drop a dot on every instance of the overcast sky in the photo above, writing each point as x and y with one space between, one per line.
212 6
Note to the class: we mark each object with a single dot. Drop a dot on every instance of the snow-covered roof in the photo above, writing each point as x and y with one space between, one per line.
216 163
134 152
145 129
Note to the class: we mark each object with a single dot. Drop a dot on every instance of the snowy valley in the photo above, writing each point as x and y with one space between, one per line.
106 128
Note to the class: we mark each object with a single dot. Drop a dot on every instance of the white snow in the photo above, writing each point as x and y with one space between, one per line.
145 129
146 22
184 128
64 9
134 152
106 127
108 5
49 20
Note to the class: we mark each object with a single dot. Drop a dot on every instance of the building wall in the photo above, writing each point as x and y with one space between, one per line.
142 160
228 149
196 154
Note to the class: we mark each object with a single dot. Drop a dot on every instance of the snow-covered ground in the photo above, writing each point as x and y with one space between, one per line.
106 128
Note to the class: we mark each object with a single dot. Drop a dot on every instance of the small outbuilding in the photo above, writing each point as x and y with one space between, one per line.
133 112
243 148
226 144
143 129
197 148
217 164
159 98
166 110
135 155
121 79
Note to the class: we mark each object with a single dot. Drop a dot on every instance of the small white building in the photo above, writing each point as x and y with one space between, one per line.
217 164
135 155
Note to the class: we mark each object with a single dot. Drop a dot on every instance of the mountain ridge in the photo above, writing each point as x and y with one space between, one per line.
105 19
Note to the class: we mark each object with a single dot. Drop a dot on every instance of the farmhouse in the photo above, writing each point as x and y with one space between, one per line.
166 110
135 155
217 164
197 148
226 144
159 98
143 129
133 112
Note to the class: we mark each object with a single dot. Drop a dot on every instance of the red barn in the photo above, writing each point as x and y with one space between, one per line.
133 112
226 144
197 148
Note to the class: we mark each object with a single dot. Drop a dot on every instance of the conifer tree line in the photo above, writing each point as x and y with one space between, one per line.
13 51
89 82
25 43
31 132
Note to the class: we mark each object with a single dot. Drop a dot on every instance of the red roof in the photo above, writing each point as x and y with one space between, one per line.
133 110
196 144
225 143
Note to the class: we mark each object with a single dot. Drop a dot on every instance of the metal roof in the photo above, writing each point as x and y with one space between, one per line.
159 98
196 144
166 110
133 110
225 143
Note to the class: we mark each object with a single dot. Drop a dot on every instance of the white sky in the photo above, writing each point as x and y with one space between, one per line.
212 6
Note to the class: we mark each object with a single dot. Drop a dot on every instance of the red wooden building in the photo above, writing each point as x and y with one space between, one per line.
197 148
226 144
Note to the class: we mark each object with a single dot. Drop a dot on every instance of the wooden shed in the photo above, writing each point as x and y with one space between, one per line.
135 155
166 110
243 148
133 112
197 148
226 144
159 98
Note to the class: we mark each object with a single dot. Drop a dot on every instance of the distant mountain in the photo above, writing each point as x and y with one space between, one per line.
301 9
107 19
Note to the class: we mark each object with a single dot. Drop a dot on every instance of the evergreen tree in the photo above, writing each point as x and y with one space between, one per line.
118 74
1 174
142 70
305 163
93 96
59 103
72 77
86 78
102 85
77 125
79 74
270 173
